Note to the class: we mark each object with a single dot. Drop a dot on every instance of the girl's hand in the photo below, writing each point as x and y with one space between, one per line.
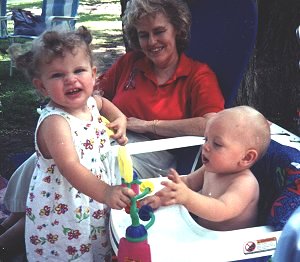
119 128
118 197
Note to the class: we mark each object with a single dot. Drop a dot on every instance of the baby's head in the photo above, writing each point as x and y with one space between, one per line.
245 125
50 45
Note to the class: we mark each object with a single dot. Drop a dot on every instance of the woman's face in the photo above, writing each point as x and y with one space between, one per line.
157 38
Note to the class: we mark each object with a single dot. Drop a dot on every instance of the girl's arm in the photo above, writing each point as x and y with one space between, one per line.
55 141
115 116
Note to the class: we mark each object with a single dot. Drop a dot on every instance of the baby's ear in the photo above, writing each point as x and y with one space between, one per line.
249 158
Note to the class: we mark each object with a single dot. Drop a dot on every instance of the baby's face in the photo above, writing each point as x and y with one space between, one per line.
224 146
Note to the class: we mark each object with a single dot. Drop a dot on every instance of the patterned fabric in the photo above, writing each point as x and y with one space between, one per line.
3 211
278 174
62 224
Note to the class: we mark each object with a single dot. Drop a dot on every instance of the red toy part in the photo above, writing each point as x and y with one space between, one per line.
134 251
127 208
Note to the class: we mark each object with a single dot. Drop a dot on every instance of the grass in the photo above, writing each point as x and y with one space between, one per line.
24 5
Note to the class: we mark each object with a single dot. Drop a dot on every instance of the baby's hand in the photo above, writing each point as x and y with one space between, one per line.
118 197
153 201
175 190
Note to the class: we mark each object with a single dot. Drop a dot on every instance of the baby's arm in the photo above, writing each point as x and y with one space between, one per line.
166 196
55 141
117 119
228 205
176 191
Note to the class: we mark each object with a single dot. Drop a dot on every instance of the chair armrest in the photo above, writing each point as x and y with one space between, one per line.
3 27
161 144
56 19
52 19
3 18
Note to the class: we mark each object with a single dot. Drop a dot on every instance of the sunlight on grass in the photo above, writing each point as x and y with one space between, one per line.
98 17
23 5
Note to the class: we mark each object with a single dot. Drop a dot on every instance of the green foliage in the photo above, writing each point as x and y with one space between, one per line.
19 108
18 104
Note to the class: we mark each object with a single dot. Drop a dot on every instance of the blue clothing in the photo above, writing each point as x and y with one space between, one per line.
288 248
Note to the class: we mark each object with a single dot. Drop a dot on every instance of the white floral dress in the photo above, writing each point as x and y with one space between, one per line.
63 224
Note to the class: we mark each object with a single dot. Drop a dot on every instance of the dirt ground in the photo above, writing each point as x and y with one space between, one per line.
107 42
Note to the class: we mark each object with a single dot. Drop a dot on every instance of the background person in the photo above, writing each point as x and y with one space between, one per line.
162 92
288 244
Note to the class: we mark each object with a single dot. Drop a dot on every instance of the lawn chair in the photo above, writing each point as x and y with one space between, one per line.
3 21
54 13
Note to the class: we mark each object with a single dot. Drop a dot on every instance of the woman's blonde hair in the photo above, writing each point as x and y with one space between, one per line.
176 11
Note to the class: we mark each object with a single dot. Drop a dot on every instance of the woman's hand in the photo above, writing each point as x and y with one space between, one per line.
139 126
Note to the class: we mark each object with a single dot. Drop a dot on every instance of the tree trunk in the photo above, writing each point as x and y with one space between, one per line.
272 82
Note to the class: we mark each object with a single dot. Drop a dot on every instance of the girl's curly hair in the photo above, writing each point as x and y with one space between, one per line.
52 44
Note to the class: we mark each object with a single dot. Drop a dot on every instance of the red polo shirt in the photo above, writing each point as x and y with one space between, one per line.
131 85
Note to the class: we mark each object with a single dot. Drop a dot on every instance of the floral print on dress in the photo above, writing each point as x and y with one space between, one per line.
62 224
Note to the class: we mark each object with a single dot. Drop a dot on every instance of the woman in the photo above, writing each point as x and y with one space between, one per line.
162 92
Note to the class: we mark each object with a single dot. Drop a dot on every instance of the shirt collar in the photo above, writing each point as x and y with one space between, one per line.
183 69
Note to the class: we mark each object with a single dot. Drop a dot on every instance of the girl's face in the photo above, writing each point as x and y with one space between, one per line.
223 149
157 38
68 80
